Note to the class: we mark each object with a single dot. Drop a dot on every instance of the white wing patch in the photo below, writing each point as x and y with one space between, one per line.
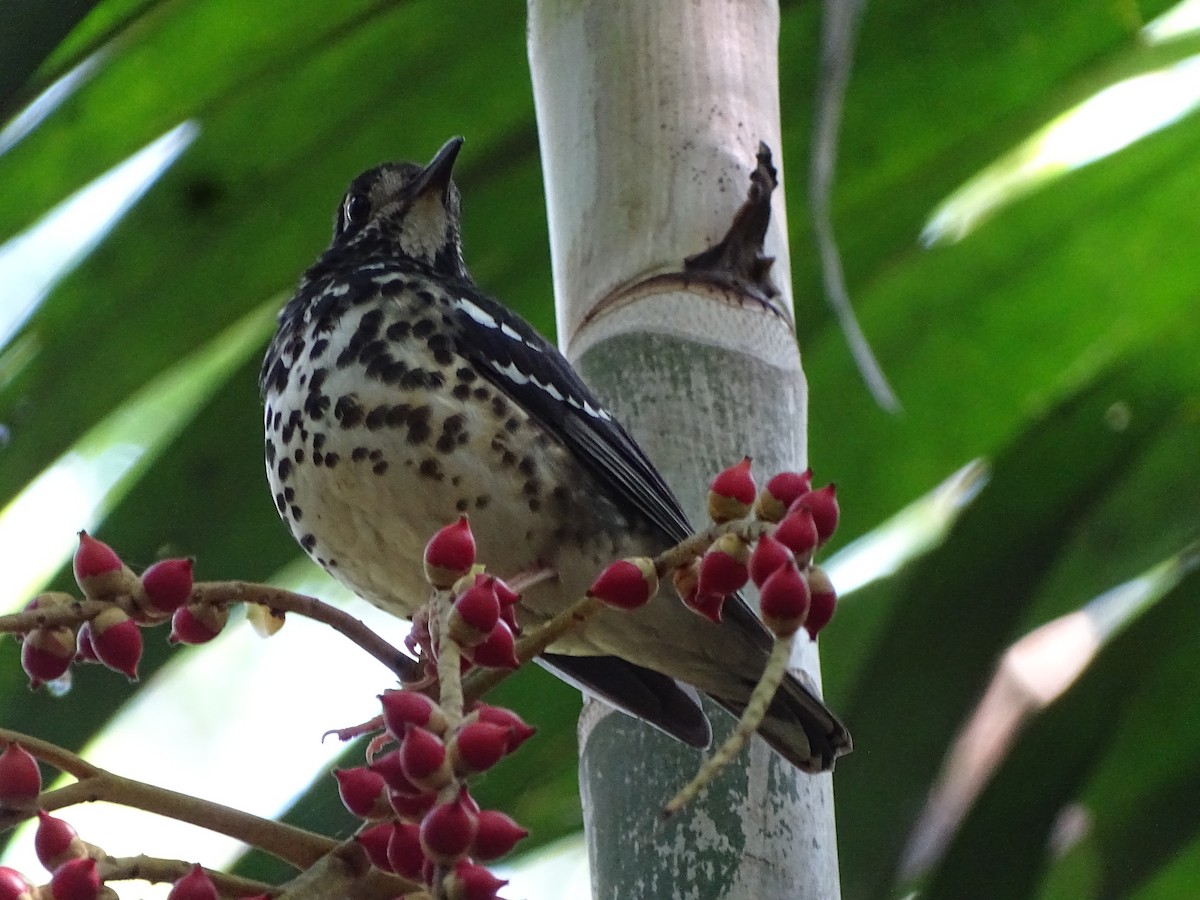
477 313
513 374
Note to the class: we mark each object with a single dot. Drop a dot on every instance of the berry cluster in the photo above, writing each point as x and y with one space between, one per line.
111 634
767 537
422 822
77 869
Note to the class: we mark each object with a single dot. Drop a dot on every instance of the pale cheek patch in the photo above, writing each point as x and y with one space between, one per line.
423 232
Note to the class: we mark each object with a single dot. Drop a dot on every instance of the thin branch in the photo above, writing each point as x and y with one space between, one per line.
295 846
279 600
52 754
165 871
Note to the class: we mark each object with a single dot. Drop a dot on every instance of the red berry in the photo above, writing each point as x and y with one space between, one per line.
404 852
449 554
731 493
76 879
497 651
197 623
477 746
471 882
362 792
824 601
388 765
14 885
506 595
99 572
475 613
411 807
47 653
55 842
404 708
723 567
769 554
825 511
780 493
117 641
167 585
20 777
423 759
518 731
627 583
448 829
497 835
374 839
707 605
85 650
195 885
798 532
784 600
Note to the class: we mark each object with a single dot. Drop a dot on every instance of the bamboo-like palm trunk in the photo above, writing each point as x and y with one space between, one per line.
649 115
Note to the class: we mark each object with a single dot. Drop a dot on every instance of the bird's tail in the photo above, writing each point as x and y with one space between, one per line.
799 726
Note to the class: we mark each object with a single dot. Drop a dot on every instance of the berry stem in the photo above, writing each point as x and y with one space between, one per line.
752 716
279 600
165 871
449 661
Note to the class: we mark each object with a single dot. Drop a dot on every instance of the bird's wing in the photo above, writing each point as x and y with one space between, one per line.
523 364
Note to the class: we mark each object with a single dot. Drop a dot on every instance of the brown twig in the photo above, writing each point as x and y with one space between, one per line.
52 754
279 600
165 871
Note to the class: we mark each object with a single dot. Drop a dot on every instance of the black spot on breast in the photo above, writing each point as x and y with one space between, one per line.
376 455
331 460
482 501
461 391
278 378
398 415
368 325
377 417
315 406
508 458
372 350
499 406
317 350
318 442
534 504
347 411
289 494
276 420
394 373
531 488
296 513
462 504
284 469
379 367
466 373
397 331
269 447
423 328
299 455
418 425
431 468
527 466
379 468
425 297
358 454
280 503
308 542
482 393
512 424
318 458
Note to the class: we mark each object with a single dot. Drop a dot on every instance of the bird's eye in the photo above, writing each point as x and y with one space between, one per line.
357 209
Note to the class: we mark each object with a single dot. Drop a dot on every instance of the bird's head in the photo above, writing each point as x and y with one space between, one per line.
412 210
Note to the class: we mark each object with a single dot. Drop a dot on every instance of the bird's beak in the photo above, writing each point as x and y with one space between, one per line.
436 175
